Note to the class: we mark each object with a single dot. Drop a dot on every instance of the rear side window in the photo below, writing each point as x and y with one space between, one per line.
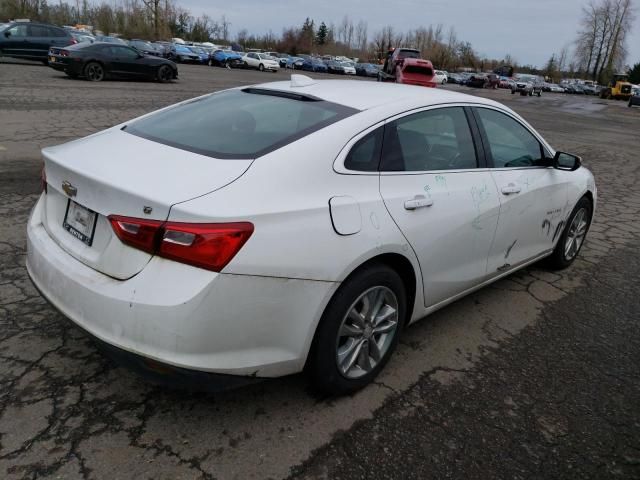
38 31
239 123
437 139
418 69
57 32
365 154
510 143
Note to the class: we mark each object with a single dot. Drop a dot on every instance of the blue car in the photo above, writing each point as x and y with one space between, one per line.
201 52
294 63
225 58
314 65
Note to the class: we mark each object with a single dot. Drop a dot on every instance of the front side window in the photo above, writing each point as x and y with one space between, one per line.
437 139
17 31
124 52
510 143
239 123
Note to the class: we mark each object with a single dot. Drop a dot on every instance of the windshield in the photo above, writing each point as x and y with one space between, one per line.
238 123
409 54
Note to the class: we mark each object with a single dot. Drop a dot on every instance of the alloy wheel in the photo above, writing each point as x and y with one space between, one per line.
575 234
95 72
367 331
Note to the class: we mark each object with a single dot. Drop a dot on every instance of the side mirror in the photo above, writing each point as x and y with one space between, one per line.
7 34
566 161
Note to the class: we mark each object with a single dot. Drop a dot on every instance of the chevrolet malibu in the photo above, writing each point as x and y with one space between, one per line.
266 230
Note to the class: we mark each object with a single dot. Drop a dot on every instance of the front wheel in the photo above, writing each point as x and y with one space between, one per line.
261 67
94 72
513 92
573 236
539 94
358 331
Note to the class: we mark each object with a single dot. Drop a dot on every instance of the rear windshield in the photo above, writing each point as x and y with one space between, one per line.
418 69
239 123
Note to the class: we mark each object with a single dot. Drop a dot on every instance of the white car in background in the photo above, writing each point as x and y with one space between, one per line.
261 230
261 61
349 68
440 77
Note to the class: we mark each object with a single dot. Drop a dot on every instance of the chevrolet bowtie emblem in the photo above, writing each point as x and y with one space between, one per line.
69 189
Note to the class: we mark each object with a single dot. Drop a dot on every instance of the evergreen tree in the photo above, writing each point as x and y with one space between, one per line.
634 73
321 35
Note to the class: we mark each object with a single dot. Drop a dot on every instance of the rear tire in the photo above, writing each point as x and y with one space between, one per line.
572 237
164 74
358 331
261 67
94 72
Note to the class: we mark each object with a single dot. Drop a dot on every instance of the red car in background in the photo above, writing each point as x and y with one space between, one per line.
414 71
404 65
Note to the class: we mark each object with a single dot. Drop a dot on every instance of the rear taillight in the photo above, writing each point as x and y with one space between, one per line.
137 232
206 245
43 180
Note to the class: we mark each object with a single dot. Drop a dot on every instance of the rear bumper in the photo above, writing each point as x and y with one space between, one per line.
183 316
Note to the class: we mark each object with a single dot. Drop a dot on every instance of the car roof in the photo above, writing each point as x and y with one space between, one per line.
363 95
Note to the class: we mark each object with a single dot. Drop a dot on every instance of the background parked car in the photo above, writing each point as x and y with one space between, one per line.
349 68
528 85
314 65
185 55
294 63
225 58
260 61
145 47
454 78
477 80
367 69
334 67
201 52
31 41
108 39
96 61
440 77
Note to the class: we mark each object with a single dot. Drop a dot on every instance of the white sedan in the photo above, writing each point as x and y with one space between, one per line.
261 230
349 68
261 61
440 77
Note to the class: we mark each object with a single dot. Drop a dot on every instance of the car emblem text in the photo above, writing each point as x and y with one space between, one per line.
69 189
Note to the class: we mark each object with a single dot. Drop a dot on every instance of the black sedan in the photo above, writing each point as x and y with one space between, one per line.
635 99
96 61
334 67
367 70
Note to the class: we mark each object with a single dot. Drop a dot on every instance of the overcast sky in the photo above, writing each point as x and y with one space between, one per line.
529 31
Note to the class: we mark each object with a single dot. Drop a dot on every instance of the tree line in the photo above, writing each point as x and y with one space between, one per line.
599 50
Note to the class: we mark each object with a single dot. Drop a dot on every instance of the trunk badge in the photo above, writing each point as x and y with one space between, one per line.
69 189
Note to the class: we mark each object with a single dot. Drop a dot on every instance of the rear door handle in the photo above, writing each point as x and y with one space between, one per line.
419 201
511 189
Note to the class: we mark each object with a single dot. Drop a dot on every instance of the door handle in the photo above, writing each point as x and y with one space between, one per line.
510 189
419 201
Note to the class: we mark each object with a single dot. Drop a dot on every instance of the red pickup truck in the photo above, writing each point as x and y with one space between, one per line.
404 65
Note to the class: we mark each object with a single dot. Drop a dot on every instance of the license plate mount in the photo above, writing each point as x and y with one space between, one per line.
80 222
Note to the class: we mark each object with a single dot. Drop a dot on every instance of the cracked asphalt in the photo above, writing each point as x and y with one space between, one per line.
536 376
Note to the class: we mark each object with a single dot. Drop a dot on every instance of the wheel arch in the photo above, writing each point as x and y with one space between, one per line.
397 262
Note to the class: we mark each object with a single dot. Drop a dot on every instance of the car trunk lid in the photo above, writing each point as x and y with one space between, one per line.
114 172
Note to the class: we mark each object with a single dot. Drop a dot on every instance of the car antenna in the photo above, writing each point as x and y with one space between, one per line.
298 81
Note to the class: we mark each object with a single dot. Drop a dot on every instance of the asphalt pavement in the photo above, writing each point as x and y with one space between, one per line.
536 376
